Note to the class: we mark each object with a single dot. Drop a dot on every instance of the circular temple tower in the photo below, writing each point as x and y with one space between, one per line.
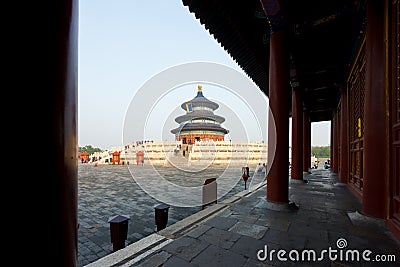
199 122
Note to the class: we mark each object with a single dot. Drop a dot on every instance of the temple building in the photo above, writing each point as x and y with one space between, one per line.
199 122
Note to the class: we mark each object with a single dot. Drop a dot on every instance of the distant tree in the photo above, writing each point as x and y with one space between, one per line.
89 149
321 151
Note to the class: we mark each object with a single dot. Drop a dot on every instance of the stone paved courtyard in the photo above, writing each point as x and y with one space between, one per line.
109 190
324 227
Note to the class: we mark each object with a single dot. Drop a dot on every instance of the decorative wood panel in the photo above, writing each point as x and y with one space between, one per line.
356 92
338 130
395 112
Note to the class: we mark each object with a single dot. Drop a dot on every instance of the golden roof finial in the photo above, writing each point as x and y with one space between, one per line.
199 87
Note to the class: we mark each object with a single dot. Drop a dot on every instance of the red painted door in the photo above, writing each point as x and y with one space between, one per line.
395 114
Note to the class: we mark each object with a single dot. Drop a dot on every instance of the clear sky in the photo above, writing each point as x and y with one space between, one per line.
123 44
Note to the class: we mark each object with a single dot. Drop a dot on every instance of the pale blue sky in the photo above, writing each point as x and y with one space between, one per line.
124 43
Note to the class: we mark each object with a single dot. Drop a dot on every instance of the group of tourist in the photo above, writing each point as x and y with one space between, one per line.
261 168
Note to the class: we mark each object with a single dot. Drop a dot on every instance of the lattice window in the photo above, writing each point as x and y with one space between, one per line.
357 95
356 90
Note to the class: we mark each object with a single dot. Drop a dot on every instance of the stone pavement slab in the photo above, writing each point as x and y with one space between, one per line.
215 256
248 233
186 247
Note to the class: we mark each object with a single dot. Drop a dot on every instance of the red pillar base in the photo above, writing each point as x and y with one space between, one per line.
279 206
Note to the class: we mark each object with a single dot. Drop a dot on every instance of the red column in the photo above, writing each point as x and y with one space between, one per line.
306 141
376 121
278 124
297 135
309 144
62 177
51 64
332 144
50 53
344 143
335 143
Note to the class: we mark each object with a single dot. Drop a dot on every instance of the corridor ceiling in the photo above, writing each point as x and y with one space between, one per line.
323 37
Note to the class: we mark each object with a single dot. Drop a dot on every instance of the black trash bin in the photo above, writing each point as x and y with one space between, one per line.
118 231
161 215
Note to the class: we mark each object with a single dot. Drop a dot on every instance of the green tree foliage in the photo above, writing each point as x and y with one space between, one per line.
89 149
321 151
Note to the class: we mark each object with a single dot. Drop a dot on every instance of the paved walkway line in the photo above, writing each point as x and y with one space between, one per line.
135 249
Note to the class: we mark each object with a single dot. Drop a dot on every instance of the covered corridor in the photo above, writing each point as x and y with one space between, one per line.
318 61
